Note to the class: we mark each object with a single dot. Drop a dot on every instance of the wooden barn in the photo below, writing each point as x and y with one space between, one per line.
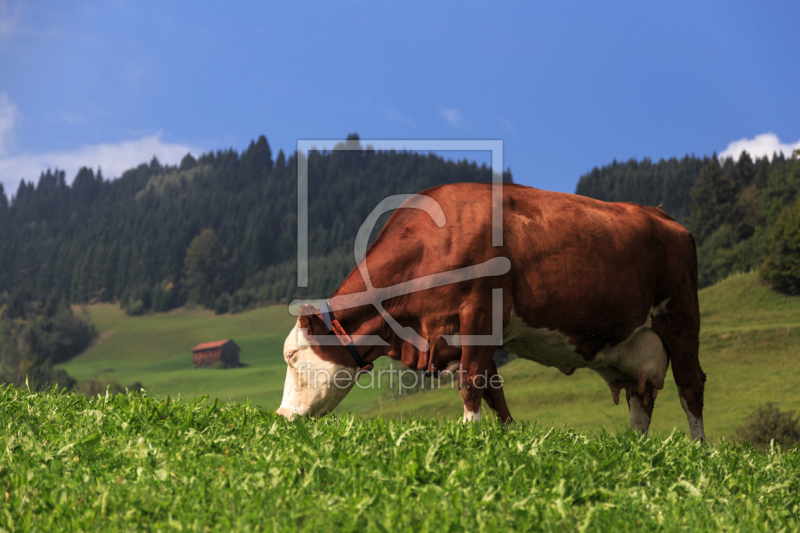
210 353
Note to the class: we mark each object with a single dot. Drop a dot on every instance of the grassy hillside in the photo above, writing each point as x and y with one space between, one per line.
740 304
125 463
749 349
156 350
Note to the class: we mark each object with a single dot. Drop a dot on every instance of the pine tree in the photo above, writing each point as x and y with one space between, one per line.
704 218
204 266
762 173
256 160
188 162
84 188
782 266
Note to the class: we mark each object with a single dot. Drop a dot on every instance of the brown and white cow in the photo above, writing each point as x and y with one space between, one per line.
589 284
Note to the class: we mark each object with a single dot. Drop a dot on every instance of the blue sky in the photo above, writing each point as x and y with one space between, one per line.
566 85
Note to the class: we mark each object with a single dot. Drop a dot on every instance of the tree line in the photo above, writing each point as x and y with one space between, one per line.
666 182
219 230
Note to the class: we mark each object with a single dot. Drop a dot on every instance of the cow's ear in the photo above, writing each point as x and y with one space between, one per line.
305 318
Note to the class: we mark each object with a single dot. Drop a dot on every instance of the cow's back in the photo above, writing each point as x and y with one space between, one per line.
589 269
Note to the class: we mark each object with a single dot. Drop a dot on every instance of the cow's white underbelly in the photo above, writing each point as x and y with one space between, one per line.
548 347
641 353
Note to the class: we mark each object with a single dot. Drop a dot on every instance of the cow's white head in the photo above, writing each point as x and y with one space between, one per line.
315 382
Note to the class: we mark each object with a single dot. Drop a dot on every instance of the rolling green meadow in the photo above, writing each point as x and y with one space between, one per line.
129 462
156 351
749 350
202 450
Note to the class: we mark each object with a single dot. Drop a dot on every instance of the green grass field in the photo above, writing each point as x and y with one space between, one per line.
749 349
156 351
125 463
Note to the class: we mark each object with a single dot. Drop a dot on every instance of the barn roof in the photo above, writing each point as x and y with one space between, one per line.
211 345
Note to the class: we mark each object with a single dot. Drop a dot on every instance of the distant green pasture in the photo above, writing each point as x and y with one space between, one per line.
749 349
156 351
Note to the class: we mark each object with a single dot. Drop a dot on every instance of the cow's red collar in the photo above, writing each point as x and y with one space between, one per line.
333 325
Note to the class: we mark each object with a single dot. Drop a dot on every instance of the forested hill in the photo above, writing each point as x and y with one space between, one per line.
219 231
667 183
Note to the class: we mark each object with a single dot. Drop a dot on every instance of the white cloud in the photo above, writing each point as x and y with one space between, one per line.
114 159
759 146
452 116
8 112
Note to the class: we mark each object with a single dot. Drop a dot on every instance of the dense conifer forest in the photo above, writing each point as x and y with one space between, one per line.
646 183
218 231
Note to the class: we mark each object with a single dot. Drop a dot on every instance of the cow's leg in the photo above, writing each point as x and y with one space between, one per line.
476 363
690 380
495 398
472 385
679 329
641 411
694 412
470 394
